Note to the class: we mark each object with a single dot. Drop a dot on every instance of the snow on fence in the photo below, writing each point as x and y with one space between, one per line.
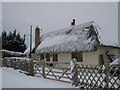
86 76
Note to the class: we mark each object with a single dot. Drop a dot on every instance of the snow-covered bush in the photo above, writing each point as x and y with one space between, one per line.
21 63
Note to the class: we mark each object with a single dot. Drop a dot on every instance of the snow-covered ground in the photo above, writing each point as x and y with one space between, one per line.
0 78
14 79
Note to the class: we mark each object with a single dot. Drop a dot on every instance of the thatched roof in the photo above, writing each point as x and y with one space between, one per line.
76 38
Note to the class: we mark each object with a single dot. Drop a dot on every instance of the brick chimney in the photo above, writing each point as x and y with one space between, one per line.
37 37
73 22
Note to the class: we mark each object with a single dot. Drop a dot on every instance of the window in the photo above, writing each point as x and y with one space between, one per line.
78 56
101 61
42 57
55 57
47 57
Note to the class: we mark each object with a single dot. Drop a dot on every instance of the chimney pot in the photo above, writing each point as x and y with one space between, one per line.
73 22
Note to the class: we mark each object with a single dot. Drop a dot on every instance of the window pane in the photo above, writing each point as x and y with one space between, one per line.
78 56
47 57
42 57
55 57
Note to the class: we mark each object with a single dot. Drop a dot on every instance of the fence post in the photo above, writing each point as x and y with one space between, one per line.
74 72
31 69
1 60
43 68
106 77
118 83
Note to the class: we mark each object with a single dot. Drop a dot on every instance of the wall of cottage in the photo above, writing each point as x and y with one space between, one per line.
90 58
34 56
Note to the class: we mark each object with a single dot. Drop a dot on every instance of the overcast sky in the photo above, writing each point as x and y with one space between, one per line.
0 18
54 16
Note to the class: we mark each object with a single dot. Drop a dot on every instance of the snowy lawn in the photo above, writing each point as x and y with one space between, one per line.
0 78
14 79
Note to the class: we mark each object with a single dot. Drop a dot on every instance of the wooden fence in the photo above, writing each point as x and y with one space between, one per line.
86 76
92 76
53 70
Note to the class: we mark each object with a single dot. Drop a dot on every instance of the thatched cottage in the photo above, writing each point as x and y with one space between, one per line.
86 42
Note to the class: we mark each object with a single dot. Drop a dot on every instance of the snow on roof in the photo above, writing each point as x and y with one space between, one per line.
76 38
27 51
